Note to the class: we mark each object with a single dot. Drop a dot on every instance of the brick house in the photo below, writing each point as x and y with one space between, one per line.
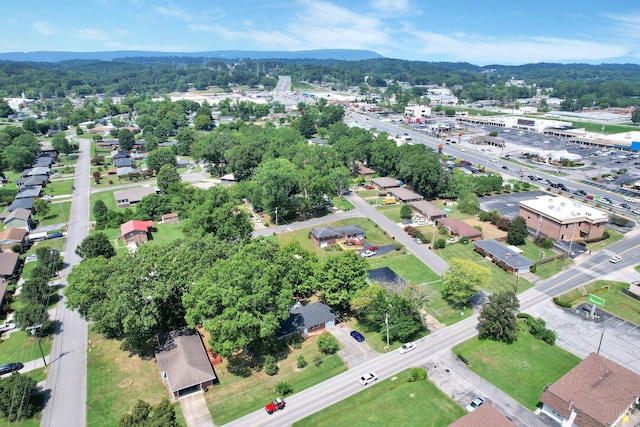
135 231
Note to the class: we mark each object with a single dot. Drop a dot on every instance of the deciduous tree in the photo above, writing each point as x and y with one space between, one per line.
95 245
498 317
463 279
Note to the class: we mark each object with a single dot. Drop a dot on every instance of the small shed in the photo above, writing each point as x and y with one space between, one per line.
170 218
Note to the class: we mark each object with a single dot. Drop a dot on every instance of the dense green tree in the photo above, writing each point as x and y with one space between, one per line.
126 139
241 300
41 207
279 181
635 116
185 139
16 397
518 232
86 290
158 158
167 175
145 415
463 279
18 158
327 343
5 110
100 209
60 143
340 277
203 120
498 317
469 203
95 245
406 211
153 206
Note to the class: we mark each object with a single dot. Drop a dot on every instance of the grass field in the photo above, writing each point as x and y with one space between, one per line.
520 369
236 396
107 198
616 302
22 347
59 187
117 379
59 212
394 402
616 236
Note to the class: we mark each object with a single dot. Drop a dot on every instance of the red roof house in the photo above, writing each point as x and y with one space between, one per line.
135 231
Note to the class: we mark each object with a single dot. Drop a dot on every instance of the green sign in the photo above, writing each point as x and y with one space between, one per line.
594 299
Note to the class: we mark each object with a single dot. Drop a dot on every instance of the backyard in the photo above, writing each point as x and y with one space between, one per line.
520 369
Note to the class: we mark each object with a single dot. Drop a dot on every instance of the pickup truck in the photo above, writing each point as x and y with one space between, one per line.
274 406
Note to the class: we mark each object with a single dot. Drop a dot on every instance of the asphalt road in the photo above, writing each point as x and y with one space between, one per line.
66 387
346 384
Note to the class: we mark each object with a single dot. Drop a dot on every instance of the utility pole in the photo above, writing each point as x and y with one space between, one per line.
276 213
386 321
33 332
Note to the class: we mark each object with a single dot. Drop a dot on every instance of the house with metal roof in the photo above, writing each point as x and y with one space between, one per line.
135 232
308 319
183 362
503 256
596 393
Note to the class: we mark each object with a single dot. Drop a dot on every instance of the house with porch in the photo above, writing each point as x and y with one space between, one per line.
308 319
183 363
328 236
385 183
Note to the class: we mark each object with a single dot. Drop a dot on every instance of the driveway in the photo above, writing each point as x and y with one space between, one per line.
353 353
195 411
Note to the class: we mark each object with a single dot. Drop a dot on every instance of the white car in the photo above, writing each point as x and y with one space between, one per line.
367 254
369 378
32 257
7 326
406 348
451 240
629 199
615 259
475 404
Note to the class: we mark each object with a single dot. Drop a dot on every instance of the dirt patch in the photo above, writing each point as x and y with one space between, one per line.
489 231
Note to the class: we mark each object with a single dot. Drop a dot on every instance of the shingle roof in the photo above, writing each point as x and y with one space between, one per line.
29 191
26 203
598 389
20 213
8 263
484 416
428 208
32 180
306 316
321 233
182 357
383 275
403 193
385 182
134 194
135 225
459 227
13 234
122 162
502 253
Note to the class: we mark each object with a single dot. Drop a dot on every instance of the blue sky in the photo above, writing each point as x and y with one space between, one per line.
480 32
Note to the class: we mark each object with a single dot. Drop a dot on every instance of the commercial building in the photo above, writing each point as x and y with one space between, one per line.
562 219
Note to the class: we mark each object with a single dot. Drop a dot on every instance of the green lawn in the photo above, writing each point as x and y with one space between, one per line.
616 236
342 204
237 396
59 212
392 212
616 302
394 402
22 347
550 269
500 279
520 369
59 187
408 267
107 198
117 379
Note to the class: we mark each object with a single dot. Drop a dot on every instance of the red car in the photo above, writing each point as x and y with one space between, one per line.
369 187
371 249
274 406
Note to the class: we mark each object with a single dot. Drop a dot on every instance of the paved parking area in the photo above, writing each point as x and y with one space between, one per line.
508 204
353 353
195 411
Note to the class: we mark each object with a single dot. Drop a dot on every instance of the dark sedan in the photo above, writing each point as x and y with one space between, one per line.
357 336
10 367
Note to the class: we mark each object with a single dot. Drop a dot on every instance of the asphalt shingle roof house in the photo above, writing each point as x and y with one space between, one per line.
26 203
135 232
13 236
596 393
429 210
8 264
306 319
503 255
485 416
384 183
183 362
327 236
19 218
460 228
132 196
29 192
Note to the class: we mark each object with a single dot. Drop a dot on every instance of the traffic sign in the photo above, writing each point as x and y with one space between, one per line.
594 299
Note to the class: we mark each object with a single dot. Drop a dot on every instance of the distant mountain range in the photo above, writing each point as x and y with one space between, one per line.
52 56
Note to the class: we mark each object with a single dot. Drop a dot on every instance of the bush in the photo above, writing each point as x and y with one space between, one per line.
561 303
328 344
284 388
440 244
17 248
317 361
398 246
302 362
417 374
526 316
534 268
538 328
606 234
270 365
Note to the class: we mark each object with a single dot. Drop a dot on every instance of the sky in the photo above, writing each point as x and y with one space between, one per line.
479 32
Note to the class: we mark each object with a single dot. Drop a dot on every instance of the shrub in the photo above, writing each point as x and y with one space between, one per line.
417 374
526 316
270 365
17 248
317 361
606 234
440 244
398 246
534 268
328 344
283 388
302 362
561 303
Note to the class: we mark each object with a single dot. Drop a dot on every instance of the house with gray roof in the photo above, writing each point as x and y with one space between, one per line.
385 183
405 195
19 218
126 170
327 236
183 362
503 256
31 191
25 203
308 319
122 162
42 162
36 171
131 196
32 180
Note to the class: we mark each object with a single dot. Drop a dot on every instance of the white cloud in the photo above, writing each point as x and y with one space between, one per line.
627 25
513 51
44 28
174 12
386 6
91 34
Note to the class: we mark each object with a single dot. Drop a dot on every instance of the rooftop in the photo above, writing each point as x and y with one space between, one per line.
563 209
